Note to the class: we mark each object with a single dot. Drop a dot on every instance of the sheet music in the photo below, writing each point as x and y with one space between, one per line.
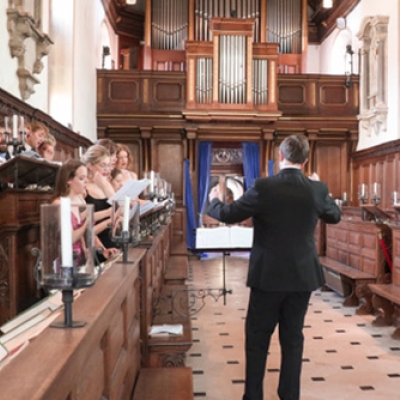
131 188
213 237
146 207
229 237
241 236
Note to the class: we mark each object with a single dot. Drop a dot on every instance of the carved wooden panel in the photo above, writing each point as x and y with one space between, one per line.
19 233
355 243
179 226
331 166
92 386
134 91
168 156
291 95
333 95
124 91
316 95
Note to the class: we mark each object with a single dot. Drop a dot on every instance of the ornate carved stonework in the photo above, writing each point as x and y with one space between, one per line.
227 156
373 74
27 43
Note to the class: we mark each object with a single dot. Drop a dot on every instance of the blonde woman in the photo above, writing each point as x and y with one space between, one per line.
124 163
99 190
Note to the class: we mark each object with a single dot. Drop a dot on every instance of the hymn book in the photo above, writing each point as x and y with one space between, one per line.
50 303
166 330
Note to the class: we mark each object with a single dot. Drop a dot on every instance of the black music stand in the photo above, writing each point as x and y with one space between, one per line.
226 251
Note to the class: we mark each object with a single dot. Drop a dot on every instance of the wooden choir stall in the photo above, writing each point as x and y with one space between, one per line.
25 184
112 356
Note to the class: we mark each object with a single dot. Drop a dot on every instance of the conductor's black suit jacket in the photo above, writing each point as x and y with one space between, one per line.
285 210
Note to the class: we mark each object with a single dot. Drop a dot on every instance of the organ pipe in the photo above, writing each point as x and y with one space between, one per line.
169 26
284 25
207 9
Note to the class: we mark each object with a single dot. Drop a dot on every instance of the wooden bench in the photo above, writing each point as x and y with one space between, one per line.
354 259
386 297
177 270
164 384
157 307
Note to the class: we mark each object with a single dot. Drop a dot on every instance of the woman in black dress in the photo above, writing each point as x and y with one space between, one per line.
99 190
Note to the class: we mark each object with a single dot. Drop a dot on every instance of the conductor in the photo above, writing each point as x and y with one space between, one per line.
283 267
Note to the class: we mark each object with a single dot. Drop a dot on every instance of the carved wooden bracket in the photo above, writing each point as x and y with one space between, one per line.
28 44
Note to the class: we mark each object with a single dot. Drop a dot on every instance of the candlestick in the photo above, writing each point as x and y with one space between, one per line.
15 126
125 224
151 181
66 232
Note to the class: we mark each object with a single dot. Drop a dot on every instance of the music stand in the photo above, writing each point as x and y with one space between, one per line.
23 171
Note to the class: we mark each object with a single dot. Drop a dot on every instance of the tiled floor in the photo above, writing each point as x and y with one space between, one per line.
345 357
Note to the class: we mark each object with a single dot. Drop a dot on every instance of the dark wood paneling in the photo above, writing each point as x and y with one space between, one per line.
308 94
168 158
292 95
140 91
379 164
124 91
330 165
19 234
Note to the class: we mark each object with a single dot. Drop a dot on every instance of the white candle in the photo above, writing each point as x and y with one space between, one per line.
362 190
22 125
6 124
151 181
344 196
395 198
66 232
375 188
125 222
15 126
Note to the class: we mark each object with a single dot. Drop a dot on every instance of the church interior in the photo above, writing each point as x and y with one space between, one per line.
199 93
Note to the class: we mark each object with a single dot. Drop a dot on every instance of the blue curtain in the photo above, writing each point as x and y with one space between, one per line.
190 216
251 162
270 167
204 168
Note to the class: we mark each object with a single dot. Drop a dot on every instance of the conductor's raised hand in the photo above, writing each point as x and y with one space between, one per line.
214 193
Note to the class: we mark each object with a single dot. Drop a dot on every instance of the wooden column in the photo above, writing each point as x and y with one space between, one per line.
145 134
147 56
263 21
304 36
